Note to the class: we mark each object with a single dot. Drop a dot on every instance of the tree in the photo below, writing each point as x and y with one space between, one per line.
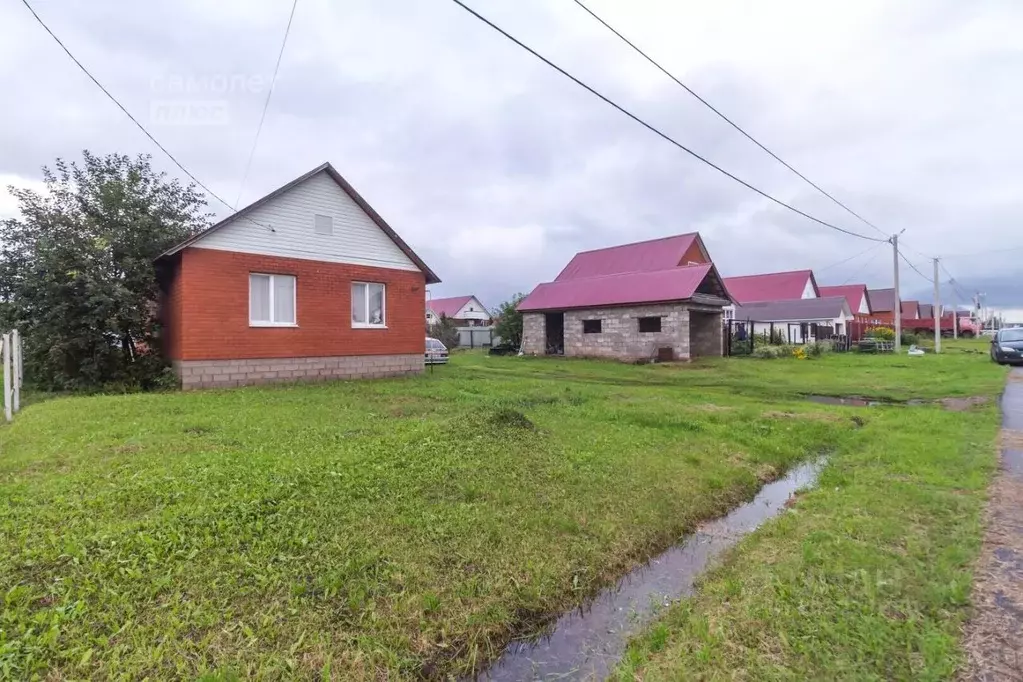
444 330
509 321
77 275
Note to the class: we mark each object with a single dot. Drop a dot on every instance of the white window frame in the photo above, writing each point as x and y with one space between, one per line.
294 301
383 307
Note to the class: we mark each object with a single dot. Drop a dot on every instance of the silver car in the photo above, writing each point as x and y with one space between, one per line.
436 352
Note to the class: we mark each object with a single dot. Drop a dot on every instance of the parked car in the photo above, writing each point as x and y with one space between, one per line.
436 352
1007 346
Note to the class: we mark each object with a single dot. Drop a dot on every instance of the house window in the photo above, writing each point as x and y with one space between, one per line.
729 313
323 224
369 307
591 326
271 300
649 325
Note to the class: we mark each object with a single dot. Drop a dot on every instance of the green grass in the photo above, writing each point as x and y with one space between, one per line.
867 577
410 528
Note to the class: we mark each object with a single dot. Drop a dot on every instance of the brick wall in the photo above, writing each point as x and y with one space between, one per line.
534 331
208 310
620 336
228 373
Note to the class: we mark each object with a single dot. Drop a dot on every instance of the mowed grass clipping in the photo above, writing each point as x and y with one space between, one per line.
393 529
866 577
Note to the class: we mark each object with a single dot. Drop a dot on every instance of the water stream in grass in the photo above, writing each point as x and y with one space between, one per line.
585 644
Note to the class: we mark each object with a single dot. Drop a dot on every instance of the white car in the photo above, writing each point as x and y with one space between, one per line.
436 352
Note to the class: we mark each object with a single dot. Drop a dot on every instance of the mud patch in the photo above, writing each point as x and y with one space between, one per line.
963 404
809 416
1010 439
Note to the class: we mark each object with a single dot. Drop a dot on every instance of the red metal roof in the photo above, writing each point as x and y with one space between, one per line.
853 293
773 286
672 284
910 310
448 307
881 300
652 255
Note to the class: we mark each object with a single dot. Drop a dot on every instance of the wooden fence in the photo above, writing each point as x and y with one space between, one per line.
12 370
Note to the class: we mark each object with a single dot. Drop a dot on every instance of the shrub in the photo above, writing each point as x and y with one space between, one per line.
444 330
816 349
881 333
771 352
909 339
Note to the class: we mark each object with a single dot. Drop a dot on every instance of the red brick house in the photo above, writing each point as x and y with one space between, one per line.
308 282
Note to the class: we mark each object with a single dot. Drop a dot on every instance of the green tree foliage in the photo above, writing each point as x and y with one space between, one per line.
509 321
77 275
444 330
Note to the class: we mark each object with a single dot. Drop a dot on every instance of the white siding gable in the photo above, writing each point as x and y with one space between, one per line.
354 238
808 291
864 308
478 312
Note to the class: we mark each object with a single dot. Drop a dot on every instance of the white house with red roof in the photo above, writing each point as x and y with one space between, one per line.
657 299
464 311
855 294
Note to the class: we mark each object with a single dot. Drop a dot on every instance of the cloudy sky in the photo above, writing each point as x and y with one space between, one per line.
496 169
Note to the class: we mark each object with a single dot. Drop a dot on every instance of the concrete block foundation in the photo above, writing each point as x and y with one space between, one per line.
230 373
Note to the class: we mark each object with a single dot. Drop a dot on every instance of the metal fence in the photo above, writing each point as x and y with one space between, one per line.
477 337
741 337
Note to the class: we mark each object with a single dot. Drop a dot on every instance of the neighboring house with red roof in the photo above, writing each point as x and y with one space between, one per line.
910 310
773 286
464 311
661 298
855 295
797 320
308 282
882 305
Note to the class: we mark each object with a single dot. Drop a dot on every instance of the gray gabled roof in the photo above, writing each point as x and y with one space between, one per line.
881 300
796 310
431 277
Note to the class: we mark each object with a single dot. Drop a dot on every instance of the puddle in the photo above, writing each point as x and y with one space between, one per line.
857 401
1012 424
587 643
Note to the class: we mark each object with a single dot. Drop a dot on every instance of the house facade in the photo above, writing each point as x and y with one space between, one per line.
855 295
772 286
794 320
308 282
660 299
882 305
464 311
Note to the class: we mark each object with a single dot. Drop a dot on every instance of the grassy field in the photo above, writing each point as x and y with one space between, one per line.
867 576
410 528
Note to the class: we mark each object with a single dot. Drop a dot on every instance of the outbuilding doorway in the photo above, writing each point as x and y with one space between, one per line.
555 324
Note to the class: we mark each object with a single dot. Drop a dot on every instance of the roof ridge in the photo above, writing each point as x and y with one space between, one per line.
644 241
768 274
630 272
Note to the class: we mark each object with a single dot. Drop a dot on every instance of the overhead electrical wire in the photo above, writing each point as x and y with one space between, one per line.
853 257
862 267
655 130
915 269
723 117
132 118
266 102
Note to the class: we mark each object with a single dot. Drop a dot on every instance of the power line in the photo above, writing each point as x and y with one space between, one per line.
266 103
134 120
862 267
121 107
846 260
654 130
915 269
723 117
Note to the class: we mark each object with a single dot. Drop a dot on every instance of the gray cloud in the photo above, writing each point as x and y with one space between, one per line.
497 169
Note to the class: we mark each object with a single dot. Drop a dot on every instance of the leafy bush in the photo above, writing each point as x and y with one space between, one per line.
444 330
508 324
881 333
910 339
77 275
817 349
772 352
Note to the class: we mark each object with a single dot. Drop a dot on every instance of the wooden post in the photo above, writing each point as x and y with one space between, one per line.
16 369
8 413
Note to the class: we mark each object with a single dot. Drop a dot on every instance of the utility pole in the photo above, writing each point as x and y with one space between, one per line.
898 301
937 309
